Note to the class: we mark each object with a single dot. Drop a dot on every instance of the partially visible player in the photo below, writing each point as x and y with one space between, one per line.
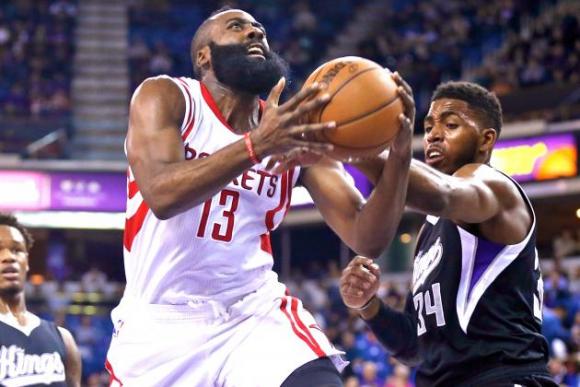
202 306
474 313
33 351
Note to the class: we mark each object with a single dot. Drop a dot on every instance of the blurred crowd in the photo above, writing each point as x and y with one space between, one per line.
83 306
36 57
546 49
505 45
300 31
566 243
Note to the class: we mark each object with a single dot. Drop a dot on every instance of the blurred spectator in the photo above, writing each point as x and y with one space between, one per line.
88 337
400 377
94 280
564 244
161 62
369 377
351 381
36 54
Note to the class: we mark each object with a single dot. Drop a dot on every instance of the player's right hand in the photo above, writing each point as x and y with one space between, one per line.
280 130
402 143
359 282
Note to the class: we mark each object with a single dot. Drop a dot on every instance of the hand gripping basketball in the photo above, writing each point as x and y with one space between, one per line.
401 143
364 103
280 130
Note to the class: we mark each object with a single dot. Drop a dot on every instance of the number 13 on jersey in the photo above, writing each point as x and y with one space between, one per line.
229 200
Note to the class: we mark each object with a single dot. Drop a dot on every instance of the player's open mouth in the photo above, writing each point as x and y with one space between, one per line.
10 273
256 51
433 156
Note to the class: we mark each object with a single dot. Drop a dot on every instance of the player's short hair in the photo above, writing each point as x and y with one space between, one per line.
11 221
220 10
194 40
477 97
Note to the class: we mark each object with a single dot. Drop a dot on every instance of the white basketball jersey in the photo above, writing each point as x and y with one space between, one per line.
220 249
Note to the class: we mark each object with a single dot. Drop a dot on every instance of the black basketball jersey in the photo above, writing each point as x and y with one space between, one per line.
36 359
478 306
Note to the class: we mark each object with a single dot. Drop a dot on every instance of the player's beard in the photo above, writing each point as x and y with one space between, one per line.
467 154
11 291
234 68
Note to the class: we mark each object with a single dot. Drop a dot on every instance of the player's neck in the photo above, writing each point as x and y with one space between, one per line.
240 110
14 305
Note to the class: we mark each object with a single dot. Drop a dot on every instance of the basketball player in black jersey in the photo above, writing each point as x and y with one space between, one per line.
33 352
474 313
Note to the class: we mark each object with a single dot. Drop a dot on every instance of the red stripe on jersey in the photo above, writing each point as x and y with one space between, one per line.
214 107
290 186
283 192
113 377
134 224
132 189
190 120
208 98
315 348
265 243
294 309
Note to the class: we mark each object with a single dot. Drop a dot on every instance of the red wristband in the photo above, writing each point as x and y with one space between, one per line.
250 148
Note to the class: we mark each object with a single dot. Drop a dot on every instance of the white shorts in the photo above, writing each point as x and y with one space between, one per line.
256 342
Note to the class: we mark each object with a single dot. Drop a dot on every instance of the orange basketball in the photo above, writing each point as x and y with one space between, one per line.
363 102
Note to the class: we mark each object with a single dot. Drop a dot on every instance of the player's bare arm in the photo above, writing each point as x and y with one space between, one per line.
366 227
169 183
73 365
474 194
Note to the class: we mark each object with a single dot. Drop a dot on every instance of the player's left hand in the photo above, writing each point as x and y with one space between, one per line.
359 282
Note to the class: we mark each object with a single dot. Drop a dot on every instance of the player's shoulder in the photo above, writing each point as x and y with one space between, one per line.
159 92
66 335
158 84
499 183
485 173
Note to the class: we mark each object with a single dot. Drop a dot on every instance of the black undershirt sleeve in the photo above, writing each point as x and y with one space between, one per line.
397 331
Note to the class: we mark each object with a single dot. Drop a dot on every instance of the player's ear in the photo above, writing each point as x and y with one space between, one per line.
487 139
203 57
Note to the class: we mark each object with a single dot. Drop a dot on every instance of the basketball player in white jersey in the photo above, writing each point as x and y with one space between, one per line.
202 306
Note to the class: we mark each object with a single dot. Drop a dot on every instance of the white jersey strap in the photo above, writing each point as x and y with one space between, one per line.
188 117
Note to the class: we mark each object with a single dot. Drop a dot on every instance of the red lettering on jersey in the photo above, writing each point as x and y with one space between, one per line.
190 153
263 175
273 184
246 176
